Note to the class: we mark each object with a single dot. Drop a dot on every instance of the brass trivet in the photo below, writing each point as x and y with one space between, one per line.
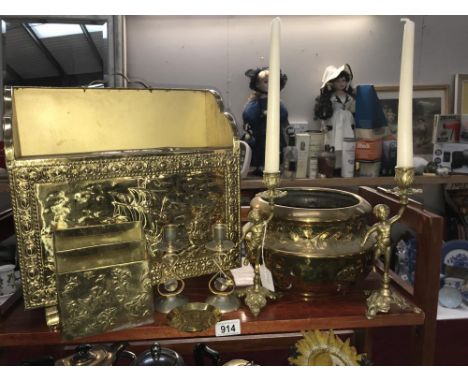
193 317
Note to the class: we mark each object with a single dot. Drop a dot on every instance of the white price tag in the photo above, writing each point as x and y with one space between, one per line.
228 328
266 278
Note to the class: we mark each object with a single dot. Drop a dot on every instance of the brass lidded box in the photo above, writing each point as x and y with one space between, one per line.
80 157
103 280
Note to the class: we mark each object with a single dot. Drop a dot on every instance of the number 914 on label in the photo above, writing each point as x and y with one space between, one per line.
228 328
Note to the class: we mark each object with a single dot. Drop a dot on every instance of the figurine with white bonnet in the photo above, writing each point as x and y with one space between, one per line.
335 107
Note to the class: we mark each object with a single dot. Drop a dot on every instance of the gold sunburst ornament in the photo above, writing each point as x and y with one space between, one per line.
324 349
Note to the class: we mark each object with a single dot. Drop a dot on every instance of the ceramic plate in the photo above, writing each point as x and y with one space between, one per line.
455 254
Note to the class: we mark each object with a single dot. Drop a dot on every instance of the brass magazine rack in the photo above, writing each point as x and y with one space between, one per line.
79 157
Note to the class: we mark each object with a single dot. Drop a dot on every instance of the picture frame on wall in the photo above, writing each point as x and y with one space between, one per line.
428 100
460 102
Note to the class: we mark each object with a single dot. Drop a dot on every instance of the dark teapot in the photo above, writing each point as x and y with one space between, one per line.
158 356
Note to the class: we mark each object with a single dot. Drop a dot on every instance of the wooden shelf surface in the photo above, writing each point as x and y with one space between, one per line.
288 314
257 182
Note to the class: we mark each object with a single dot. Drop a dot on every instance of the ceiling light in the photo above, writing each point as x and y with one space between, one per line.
98 28
55 30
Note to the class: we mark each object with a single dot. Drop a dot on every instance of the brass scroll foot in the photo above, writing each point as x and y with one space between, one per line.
381 300
256 297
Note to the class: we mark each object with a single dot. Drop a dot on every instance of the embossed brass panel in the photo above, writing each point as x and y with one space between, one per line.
103 280
57 185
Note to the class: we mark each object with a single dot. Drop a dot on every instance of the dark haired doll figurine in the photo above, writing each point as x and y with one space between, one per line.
335 107
255 113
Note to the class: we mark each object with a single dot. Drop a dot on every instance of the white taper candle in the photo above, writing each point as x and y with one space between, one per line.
405 103
272 149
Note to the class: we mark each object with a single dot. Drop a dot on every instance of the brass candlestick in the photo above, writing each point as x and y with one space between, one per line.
404 178
272 181
171 290
382 299
256 295
221 284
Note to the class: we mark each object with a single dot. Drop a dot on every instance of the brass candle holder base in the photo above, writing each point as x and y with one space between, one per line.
256 296
170 297
223 297
382 300
166 304
225 304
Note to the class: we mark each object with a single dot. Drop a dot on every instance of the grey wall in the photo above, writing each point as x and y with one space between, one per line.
215 51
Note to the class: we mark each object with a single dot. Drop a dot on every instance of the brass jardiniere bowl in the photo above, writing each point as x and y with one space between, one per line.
312 245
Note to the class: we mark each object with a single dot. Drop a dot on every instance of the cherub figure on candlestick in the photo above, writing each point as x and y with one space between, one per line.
255 116
256 295
335 106
253 237
382 229
382 299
